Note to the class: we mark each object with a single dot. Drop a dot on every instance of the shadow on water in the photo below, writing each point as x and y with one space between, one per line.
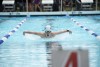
4 19
97 20
50 45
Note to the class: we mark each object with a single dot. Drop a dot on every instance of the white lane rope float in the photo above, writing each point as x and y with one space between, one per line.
4 38
83 27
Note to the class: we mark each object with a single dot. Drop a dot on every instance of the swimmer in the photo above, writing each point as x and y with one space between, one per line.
48 33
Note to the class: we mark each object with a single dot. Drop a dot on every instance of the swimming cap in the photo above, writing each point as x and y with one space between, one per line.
48 28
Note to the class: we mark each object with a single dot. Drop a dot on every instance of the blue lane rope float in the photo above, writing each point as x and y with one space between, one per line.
4 38
88 30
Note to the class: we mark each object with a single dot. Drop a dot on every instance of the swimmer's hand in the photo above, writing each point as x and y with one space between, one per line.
70 32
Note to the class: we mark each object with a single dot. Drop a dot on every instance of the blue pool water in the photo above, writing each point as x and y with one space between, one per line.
31 51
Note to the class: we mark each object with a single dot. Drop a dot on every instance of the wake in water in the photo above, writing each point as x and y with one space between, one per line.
60 37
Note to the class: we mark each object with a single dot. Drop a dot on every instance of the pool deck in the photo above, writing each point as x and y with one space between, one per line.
49 13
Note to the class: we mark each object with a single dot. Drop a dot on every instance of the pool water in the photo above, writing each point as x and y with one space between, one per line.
20 51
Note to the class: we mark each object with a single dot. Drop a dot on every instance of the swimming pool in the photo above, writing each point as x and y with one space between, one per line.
20 51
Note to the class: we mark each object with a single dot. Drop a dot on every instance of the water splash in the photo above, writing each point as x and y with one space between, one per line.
61 37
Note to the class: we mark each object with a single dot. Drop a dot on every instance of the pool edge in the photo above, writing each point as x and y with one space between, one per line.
21 14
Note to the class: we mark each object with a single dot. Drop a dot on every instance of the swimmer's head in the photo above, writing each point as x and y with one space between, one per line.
48 28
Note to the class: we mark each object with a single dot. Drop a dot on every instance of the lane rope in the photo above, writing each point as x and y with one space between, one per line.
4 38
83 27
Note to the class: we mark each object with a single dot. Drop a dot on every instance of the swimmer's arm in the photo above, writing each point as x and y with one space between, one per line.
31 32
60 32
